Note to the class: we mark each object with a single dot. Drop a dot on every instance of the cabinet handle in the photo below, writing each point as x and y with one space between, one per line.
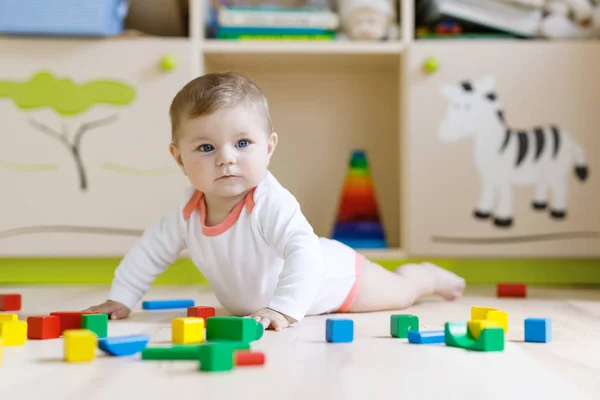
168 62
431 65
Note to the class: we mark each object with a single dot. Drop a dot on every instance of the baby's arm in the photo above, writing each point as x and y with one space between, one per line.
158 247
285 228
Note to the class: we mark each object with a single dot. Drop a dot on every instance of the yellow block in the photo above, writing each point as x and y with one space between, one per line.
500 317
14 333
480 312
477 325
79 345
8 317
187 330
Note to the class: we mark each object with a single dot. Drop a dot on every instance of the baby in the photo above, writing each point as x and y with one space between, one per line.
246 233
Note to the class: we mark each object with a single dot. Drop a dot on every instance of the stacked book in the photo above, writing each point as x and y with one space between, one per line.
275 23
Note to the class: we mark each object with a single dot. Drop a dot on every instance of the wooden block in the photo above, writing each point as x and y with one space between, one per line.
538 330
511 290
480 312
477 325
71 319
400 324
187 330
14 333
10 302
339 330
244 358
8 317
500 317
242 329
97 323
201 312
79 345
43 327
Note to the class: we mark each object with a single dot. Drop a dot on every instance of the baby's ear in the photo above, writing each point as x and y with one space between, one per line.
174 150
272 143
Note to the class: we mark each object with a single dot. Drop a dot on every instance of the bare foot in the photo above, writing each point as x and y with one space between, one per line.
435 280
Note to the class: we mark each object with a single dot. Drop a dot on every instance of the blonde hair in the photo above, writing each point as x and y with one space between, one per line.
211 92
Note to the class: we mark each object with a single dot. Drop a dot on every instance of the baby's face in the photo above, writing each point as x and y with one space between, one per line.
226 153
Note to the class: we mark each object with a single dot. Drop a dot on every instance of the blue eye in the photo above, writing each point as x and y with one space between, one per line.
243 143
205 148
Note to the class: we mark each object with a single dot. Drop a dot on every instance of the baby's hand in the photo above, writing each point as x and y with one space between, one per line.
268 318
114 309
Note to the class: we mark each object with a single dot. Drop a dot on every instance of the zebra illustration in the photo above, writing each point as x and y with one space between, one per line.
541 156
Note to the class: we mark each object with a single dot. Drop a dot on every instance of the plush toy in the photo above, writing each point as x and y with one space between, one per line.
565 18
368 19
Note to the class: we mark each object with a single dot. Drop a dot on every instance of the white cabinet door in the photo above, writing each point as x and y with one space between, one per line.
504 149
84 135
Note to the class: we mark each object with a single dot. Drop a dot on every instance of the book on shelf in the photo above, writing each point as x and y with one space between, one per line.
502 16
278 17
262 33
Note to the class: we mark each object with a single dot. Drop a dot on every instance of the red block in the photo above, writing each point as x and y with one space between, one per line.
511 290
10 302
71 319
244 357
43 327
201 312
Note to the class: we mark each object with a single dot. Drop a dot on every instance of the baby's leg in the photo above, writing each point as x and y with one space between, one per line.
381 289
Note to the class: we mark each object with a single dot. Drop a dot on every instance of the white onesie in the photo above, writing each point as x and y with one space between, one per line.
264 254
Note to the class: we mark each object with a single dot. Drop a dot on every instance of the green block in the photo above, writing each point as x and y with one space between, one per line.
400 324
220 356
240 329
456 334
176 352
490 339
97 323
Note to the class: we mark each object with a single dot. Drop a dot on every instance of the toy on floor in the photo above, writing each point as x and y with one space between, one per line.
10 302
13 333
71 319
43 327
188 330
511 290
201 312
358 224
339 330
79 345
167 304
490 314
426 337
97 323
457 335
8 317
538 330
401 324
242 329
121 346
245 358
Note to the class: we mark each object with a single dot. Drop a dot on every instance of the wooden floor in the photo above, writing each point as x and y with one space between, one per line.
302 365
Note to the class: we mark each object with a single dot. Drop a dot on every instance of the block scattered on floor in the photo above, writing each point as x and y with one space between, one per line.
241 329
201 312
339 330
511 290
14 333
187 330
79 345
10 302
538 330
400 324
97 323
43 327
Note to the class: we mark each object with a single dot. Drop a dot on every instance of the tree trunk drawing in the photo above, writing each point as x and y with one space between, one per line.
74 146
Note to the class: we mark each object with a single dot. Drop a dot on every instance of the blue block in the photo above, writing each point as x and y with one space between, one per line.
426 337
123 345
339 330
167 304
538 330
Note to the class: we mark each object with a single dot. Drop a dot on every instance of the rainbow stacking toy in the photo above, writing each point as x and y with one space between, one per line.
358 224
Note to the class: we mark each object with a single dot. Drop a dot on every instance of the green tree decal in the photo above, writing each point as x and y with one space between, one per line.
67 99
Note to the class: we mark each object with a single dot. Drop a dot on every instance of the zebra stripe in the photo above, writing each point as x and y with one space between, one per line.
539 142
501 116
467 86
507 136
491 96
523 145
556 136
